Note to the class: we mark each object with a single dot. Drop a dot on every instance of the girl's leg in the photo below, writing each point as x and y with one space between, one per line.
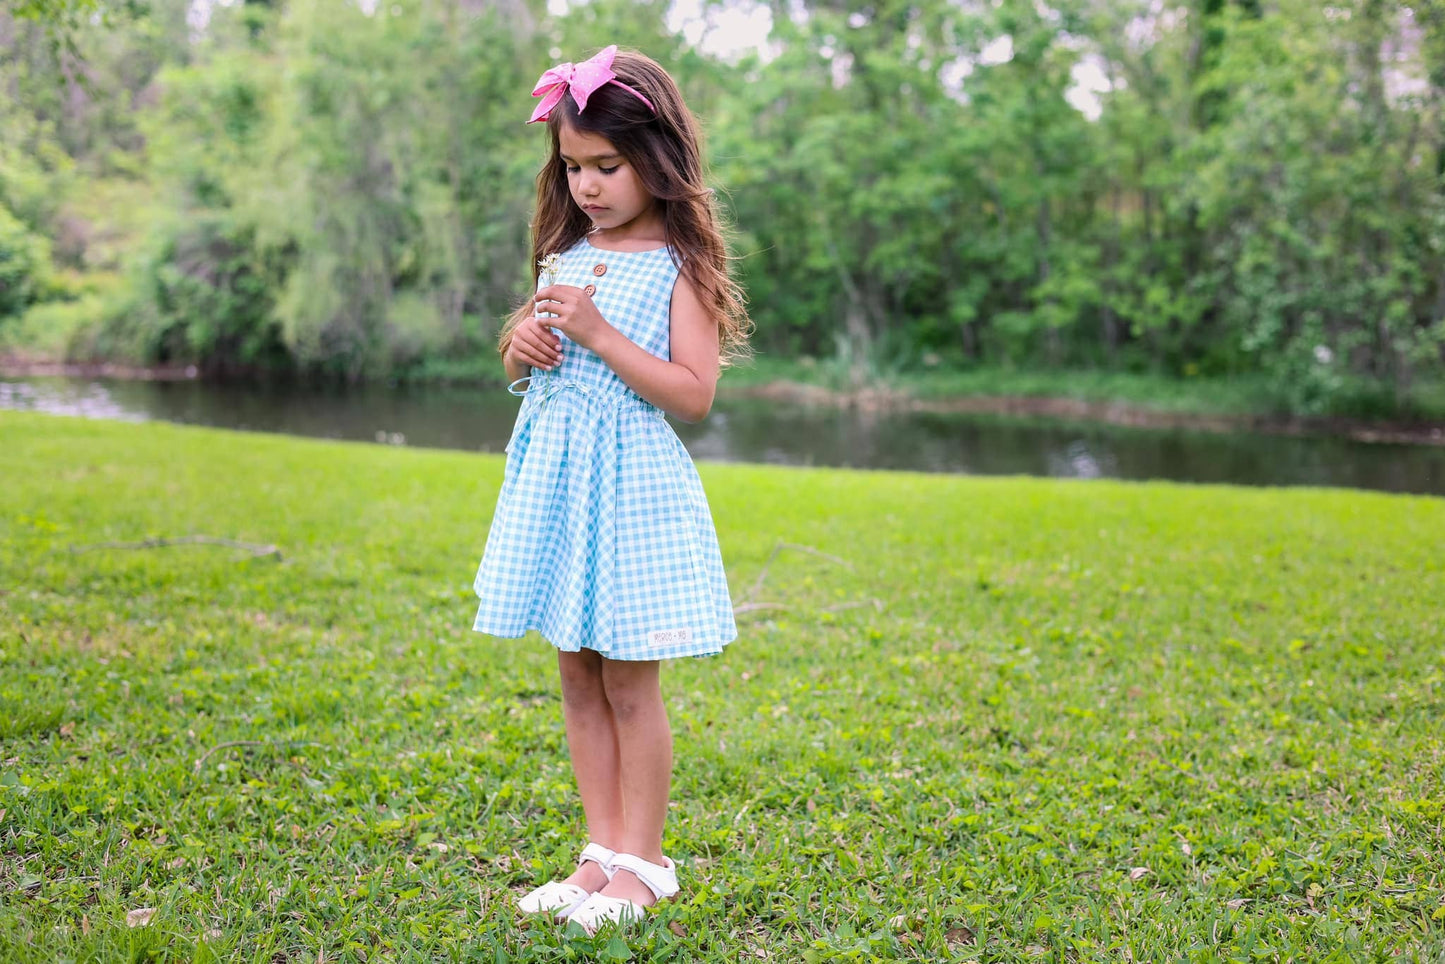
592 743
644 740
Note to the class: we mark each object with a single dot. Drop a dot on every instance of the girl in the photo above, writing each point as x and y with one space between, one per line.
602 538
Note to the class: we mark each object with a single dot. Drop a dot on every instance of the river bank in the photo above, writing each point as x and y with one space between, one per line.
1111 412
1128 400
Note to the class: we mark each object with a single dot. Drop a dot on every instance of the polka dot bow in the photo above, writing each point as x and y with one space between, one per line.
580 80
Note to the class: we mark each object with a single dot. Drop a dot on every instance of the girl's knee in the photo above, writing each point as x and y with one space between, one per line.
581 675
630 686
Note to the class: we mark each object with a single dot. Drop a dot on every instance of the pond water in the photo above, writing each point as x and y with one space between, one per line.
755 430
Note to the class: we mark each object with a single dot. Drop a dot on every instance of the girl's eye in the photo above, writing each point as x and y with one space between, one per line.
609 170
572 169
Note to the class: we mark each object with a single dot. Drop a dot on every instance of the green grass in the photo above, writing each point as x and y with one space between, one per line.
1027 720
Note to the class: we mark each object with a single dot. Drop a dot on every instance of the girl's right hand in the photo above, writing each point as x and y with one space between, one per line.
533 343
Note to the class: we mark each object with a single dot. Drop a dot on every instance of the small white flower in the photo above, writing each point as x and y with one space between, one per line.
550 265
1323 355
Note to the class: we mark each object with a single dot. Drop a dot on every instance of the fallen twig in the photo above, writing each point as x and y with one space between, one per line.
744 606
875 603
758 584
251 547
754 607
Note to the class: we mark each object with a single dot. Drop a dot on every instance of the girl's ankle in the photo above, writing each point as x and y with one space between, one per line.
589 876
625 884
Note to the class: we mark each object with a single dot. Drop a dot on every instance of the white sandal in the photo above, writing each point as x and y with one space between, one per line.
598 908
559 899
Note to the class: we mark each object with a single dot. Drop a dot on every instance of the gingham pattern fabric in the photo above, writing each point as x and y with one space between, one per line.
602 536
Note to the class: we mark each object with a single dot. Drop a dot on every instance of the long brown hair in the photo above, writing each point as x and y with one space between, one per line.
665 150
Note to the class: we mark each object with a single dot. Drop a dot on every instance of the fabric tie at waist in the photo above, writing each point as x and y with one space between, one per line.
547 386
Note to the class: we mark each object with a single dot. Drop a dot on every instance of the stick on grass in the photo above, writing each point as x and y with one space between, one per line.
230 743
252 547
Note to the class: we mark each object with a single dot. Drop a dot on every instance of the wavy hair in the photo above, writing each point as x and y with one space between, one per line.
665 151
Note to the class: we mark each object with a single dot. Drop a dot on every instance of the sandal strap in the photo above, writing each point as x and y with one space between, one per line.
661 879
599 855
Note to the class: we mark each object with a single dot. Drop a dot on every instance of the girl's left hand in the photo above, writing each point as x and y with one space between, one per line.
576 316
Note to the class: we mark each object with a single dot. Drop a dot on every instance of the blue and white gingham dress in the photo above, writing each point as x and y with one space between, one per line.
602 537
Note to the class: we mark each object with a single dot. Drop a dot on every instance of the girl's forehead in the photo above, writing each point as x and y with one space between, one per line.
584 145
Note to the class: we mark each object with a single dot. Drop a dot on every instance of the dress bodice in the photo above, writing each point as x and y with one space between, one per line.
632 291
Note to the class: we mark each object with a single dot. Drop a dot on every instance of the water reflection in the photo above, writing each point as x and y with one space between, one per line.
1009 445
751 430
86 399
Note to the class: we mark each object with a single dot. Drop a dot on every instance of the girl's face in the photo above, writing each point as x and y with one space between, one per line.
606 188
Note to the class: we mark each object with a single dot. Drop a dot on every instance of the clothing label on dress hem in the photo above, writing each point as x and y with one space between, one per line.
669 637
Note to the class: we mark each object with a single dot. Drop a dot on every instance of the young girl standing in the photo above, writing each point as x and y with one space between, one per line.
602 538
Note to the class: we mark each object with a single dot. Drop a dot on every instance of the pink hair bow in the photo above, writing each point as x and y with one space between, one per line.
581 80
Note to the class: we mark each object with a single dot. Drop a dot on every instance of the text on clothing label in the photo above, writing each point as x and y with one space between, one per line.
670 637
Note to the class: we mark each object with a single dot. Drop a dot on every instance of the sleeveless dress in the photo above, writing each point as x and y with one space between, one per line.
602 537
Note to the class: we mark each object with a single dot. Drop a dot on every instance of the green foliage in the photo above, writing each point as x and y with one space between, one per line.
1299 191
1260 185
63 20
31 164
1146 239
212 293
24 265
1024 719
61 329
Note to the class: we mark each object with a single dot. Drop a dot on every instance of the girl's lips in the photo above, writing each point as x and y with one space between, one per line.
593 207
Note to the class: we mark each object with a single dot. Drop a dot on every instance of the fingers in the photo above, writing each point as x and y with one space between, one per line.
538 346
544 308
544 336
537 359
556 294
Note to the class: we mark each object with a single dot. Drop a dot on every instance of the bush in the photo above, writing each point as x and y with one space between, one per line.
203 294
52 330
24 265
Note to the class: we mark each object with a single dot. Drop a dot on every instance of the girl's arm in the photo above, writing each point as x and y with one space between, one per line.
515 369
684 387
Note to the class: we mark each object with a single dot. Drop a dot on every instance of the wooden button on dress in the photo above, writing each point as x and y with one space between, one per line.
600 270
590 290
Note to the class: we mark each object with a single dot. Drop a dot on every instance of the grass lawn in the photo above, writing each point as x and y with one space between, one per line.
1013 719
